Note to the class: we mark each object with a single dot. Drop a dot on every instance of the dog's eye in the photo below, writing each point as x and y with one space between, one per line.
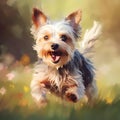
64 38
46 37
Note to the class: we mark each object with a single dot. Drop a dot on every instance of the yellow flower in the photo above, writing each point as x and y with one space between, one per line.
26 88
109 100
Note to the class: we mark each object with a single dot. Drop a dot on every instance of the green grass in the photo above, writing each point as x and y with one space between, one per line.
17 103
61 112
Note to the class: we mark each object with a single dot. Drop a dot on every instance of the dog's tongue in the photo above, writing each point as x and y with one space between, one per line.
55 57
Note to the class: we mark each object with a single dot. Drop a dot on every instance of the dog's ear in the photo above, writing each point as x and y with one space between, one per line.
38 17
74 18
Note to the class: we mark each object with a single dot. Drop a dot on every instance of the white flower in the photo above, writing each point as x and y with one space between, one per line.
11 75
2 91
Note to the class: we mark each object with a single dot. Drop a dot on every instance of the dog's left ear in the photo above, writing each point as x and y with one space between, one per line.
74 18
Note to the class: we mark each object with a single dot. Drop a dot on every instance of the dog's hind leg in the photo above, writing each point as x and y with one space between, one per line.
91 91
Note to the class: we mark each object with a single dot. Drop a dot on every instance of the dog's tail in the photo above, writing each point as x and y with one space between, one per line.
90 37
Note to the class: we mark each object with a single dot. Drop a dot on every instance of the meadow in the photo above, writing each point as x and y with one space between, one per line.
16 101
16 64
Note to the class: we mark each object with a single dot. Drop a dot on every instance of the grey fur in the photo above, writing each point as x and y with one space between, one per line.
79 73
73 79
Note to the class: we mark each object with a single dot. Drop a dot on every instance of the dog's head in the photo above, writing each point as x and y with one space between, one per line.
55 42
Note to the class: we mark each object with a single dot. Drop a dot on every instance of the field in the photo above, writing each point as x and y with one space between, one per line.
16 101
17 60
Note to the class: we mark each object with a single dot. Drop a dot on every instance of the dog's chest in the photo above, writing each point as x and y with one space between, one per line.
59 81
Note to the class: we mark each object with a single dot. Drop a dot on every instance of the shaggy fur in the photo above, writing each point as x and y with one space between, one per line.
61 68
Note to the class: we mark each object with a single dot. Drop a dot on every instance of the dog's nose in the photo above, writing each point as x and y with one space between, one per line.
54 46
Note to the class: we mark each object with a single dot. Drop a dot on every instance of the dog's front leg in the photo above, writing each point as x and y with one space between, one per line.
74 93
75 88
38 91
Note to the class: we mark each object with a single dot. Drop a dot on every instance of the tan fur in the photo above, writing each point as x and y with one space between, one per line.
61 69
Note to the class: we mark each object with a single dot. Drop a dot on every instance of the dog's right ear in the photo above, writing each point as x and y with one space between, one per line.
38 17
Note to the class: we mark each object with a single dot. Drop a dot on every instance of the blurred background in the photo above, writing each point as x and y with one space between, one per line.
17 58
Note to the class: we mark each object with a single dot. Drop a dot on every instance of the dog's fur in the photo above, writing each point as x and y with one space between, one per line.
61 68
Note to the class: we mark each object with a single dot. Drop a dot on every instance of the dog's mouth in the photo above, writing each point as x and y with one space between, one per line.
55 55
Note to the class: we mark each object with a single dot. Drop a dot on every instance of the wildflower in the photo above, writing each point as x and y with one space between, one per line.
109 100
25 60
11 75
26 89
2 91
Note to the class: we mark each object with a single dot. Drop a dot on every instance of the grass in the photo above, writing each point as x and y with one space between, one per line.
60 112
16 101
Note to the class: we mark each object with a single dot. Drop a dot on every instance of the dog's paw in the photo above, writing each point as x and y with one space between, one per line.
41 103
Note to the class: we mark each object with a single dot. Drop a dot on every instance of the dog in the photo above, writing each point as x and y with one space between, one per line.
61 69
